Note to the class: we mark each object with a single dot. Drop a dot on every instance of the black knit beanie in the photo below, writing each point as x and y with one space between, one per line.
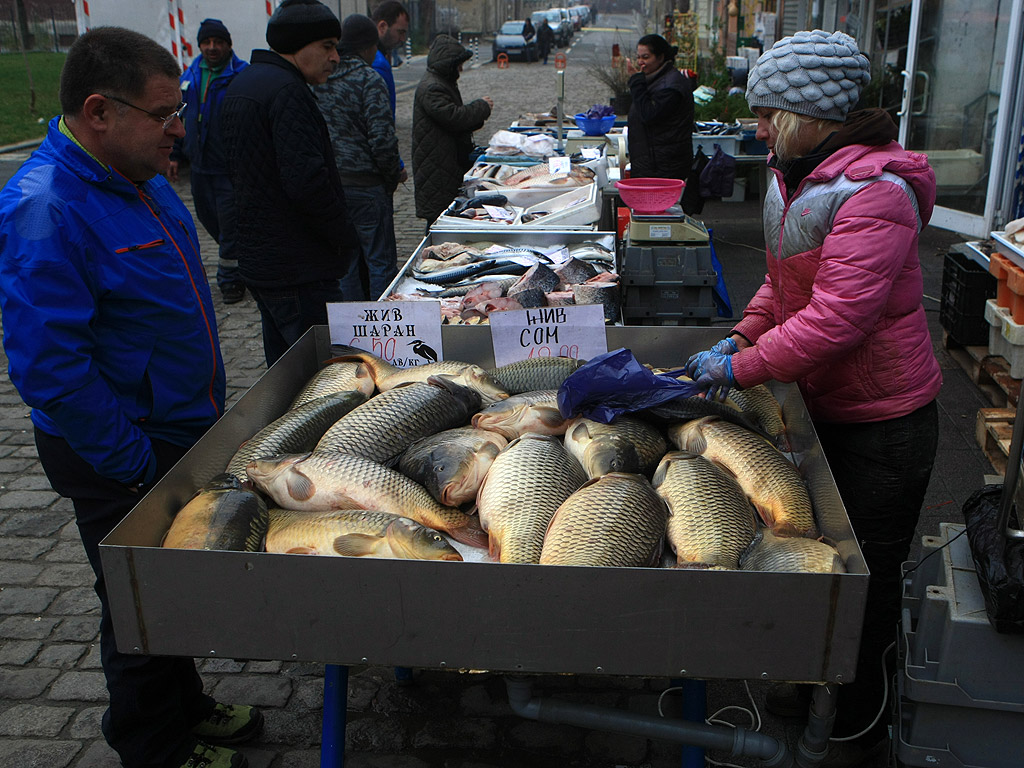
297 23
357 32
213 28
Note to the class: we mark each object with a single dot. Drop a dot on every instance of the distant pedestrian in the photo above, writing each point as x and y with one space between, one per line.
354 102
295 239
111 339
203 86
442 128
545 39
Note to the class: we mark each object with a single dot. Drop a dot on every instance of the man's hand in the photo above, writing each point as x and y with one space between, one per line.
403 176
630 67
172 171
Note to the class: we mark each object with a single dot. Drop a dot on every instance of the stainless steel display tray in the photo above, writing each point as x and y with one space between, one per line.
517 618
506 236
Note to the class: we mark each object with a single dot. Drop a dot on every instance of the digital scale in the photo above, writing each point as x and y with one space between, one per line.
671 226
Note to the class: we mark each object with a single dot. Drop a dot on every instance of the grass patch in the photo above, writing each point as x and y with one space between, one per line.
17 121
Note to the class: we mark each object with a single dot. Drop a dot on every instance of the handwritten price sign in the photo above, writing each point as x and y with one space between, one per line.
577 332
405 333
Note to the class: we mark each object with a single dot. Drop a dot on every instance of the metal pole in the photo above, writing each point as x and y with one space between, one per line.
332 740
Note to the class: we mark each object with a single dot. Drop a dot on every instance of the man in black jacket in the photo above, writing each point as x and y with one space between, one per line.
295 240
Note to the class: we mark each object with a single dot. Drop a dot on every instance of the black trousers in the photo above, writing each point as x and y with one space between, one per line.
881 470
154 700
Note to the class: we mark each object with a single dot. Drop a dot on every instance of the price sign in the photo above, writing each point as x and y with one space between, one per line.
591 153
405 333
576 332
559 165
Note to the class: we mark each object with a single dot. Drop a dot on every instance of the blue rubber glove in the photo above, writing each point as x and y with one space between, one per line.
715 375
725 347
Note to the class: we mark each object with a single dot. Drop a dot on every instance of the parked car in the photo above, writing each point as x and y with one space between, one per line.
577 18
559 26
567 20
585 13
514 41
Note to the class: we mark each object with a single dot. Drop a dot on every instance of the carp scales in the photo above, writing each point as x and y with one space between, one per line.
355 533
297 430
222 515
387 376
760 404
710 521
529 412
452 464
624 445
535 373
613 520
382 427
768 552
770 481
323 481
527 482
336 377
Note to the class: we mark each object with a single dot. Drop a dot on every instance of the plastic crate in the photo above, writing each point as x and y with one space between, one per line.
667 302
670 264
951 654
730 143
966 286
1005 337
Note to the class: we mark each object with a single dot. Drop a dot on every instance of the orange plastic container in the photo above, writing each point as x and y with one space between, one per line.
622 222
1015 284
998 266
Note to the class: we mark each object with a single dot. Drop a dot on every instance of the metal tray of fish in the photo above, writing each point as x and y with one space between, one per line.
650 622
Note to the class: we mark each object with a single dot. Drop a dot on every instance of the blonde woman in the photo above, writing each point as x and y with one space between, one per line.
840 313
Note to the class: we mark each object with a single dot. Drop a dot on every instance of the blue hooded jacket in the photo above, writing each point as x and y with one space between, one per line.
109 324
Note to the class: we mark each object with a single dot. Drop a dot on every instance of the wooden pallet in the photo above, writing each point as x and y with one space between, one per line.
989 372
993 430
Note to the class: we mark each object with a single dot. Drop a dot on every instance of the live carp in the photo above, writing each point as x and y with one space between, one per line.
624 445
768 552
452 464
221 515
336 377
535 373
528 412
355 533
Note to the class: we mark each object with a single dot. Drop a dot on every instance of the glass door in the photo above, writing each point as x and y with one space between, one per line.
942 64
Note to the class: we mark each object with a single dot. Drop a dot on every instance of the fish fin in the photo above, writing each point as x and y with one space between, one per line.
767 516
471 535
356 544
300 487
494 548
300 551
549 415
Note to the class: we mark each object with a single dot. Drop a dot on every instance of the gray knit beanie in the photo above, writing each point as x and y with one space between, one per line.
817 73
297 23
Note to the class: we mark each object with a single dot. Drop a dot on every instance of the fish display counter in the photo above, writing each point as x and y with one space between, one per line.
648 622
475 272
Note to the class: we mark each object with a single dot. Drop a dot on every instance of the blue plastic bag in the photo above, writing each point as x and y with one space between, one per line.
615 383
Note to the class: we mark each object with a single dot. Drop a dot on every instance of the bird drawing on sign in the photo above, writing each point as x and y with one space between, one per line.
424 350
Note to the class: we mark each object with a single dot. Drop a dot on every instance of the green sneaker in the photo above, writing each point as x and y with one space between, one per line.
208 756
229 724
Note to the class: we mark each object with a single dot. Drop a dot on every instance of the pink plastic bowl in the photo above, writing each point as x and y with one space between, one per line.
649 195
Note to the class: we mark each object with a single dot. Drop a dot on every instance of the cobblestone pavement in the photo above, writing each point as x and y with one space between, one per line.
51 686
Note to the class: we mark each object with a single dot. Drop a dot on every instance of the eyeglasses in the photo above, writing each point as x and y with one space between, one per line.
166 120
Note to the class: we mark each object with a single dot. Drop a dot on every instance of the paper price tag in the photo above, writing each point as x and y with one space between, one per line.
590 153
577 332
500 214
559 165
405 333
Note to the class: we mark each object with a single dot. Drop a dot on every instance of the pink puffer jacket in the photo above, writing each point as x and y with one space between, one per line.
840 310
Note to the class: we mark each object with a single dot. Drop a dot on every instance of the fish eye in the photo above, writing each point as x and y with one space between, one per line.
439 467
437 537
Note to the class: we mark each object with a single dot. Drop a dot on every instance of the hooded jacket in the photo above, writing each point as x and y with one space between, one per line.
202 145
293 227
840 310
661 124
354 102
442 129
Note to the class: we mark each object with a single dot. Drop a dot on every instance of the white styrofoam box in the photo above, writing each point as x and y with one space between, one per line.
458 222
739 192
1005 337
729 144
956 167
576 207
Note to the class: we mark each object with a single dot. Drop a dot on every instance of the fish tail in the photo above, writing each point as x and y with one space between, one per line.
472 535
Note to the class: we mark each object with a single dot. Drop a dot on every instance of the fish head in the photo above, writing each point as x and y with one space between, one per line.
411 540
610 453
479 380
512 418
459 480
268 471
468 399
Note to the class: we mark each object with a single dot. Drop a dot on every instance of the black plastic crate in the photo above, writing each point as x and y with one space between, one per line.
966 286
648 265
668 304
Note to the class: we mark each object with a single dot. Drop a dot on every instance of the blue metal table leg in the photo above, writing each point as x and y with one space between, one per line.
695 709
332 739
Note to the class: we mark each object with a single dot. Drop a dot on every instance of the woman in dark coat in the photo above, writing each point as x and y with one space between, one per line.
442 129
661 116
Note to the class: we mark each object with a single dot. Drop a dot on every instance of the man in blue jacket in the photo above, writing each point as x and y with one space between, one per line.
392 20
203 86
111 339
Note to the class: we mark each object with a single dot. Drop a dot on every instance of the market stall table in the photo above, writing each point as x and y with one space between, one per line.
646 622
